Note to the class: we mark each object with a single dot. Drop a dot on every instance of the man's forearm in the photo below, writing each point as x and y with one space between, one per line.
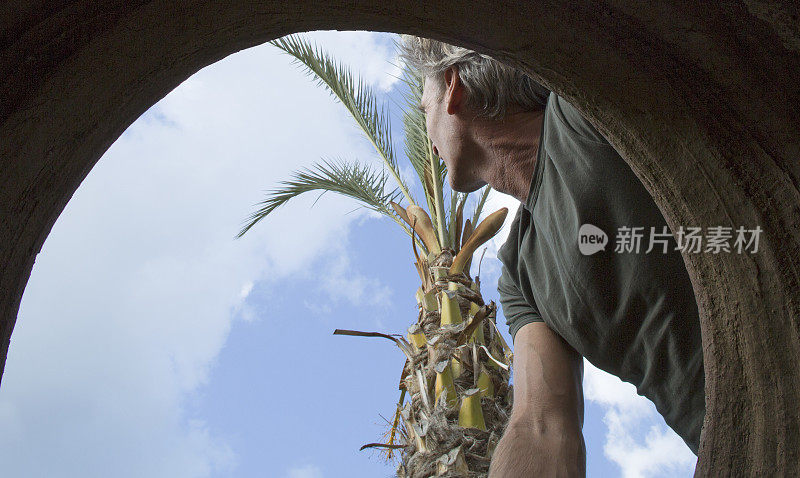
543 449
544 435
548 376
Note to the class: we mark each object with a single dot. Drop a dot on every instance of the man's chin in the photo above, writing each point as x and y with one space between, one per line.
466 188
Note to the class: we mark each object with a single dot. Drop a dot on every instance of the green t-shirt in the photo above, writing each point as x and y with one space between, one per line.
632 314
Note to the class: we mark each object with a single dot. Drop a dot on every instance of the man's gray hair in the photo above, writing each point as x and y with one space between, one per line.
491 86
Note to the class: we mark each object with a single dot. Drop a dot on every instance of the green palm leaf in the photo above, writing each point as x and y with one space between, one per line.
456 199
348 179
416 134
354 94
479 206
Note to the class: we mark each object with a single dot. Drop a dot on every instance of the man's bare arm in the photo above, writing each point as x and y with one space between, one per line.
544 436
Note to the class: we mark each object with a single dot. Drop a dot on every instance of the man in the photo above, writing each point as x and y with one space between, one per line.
566 292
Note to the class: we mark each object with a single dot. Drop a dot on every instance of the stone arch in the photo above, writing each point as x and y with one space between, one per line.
701 99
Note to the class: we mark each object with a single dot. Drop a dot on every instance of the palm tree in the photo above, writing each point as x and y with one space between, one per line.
456 374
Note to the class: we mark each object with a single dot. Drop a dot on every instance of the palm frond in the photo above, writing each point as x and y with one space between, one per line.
348 179
354 93
479 206
457 201
438 169
416 133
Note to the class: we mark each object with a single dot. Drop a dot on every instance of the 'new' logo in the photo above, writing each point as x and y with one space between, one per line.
591 239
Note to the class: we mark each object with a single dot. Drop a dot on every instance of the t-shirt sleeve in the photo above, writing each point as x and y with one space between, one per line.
516 309
570 116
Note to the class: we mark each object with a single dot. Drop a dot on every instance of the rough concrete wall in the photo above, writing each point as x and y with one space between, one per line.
701 99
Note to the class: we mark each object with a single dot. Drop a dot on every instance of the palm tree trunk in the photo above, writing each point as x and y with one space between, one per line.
457 379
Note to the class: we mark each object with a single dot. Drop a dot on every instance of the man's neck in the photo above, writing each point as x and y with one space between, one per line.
511 150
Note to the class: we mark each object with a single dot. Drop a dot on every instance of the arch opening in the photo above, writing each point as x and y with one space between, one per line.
707 131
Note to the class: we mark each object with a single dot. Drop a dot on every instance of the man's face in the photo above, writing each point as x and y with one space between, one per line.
448 129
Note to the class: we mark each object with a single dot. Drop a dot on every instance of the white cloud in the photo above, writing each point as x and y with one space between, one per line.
307 471
373 53
246 289
663 453
135 291
317 308
343 283
609 390
660 453
495 201
490 268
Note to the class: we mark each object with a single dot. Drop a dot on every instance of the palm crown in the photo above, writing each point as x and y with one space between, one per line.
456 369
361 182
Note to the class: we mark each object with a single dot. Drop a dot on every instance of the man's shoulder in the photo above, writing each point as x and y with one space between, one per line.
565 118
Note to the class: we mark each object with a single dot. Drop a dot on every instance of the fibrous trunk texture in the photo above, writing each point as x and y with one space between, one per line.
457 379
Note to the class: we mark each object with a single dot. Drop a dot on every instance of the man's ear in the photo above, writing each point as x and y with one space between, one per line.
454 95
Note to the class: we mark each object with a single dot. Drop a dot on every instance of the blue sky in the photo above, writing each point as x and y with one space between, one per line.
151 343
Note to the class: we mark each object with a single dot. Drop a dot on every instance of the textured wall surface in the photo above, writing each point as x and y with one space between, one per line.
700 97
